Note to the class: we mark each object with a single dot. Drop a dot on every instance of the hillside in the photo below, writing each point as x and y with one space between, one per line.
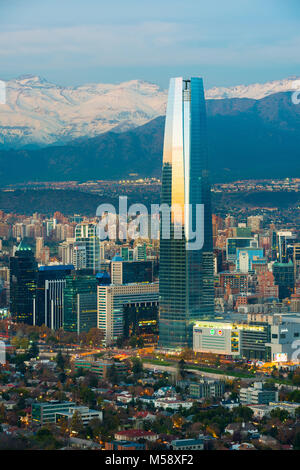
38 112
248 139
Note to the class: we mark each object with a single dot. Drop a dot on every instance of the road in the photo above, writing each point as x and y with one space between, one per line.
211 375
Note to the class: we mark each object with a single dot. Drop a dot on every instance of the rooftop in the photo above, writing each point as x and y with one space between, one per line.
135 433
23 246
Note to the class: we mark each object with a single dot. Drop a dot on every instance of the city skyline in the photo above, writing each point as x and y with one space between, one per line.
149 239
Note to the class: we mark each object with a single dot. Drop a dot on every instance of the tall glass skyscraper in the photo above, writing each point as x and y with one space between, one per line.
87 233
51 281
80 302
186 275
23 277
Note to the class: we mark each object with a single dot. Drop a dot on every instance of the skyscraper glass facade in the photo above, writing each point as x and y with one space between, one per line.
186 275
80 303
87 233
51 281
23 276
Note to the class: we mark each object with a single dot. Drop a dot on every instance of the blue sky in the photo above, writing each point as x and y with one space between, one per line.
71 42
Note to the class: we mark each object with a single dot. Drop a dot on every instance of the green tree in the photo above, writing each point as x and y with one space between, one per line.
112 374
45 440
181 368
120 341
60 361
87 396
2 413
94 337
162 425
111 423
62 377
21 404
137 367
297 412
52 340
33 349
282 415
133 341
217 361
296 443
294 396
296 379
76 424
269 385
242 413
95 427
91 380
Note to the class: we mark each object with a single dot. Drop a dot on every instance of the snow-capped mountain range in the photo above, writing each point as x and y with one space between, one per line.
255 91
38 112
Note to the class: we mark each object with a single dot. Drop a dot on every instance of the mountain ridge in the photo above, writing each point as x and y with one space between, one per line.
247 138
39 113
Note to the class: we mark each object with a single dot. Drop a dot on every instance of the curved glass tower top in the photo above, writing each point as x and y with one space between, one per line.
186 275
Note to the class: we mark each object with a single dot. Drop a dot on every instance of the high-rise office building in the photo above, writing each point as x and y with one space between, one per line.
236 283
39 246
127 253
254 222
74 252
48 301
85 232
80 303
245 257
186 275
235 243
65 251
266 286
119 306
284 278
296 261
126 272
140 252
23 274
285 241
79 255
